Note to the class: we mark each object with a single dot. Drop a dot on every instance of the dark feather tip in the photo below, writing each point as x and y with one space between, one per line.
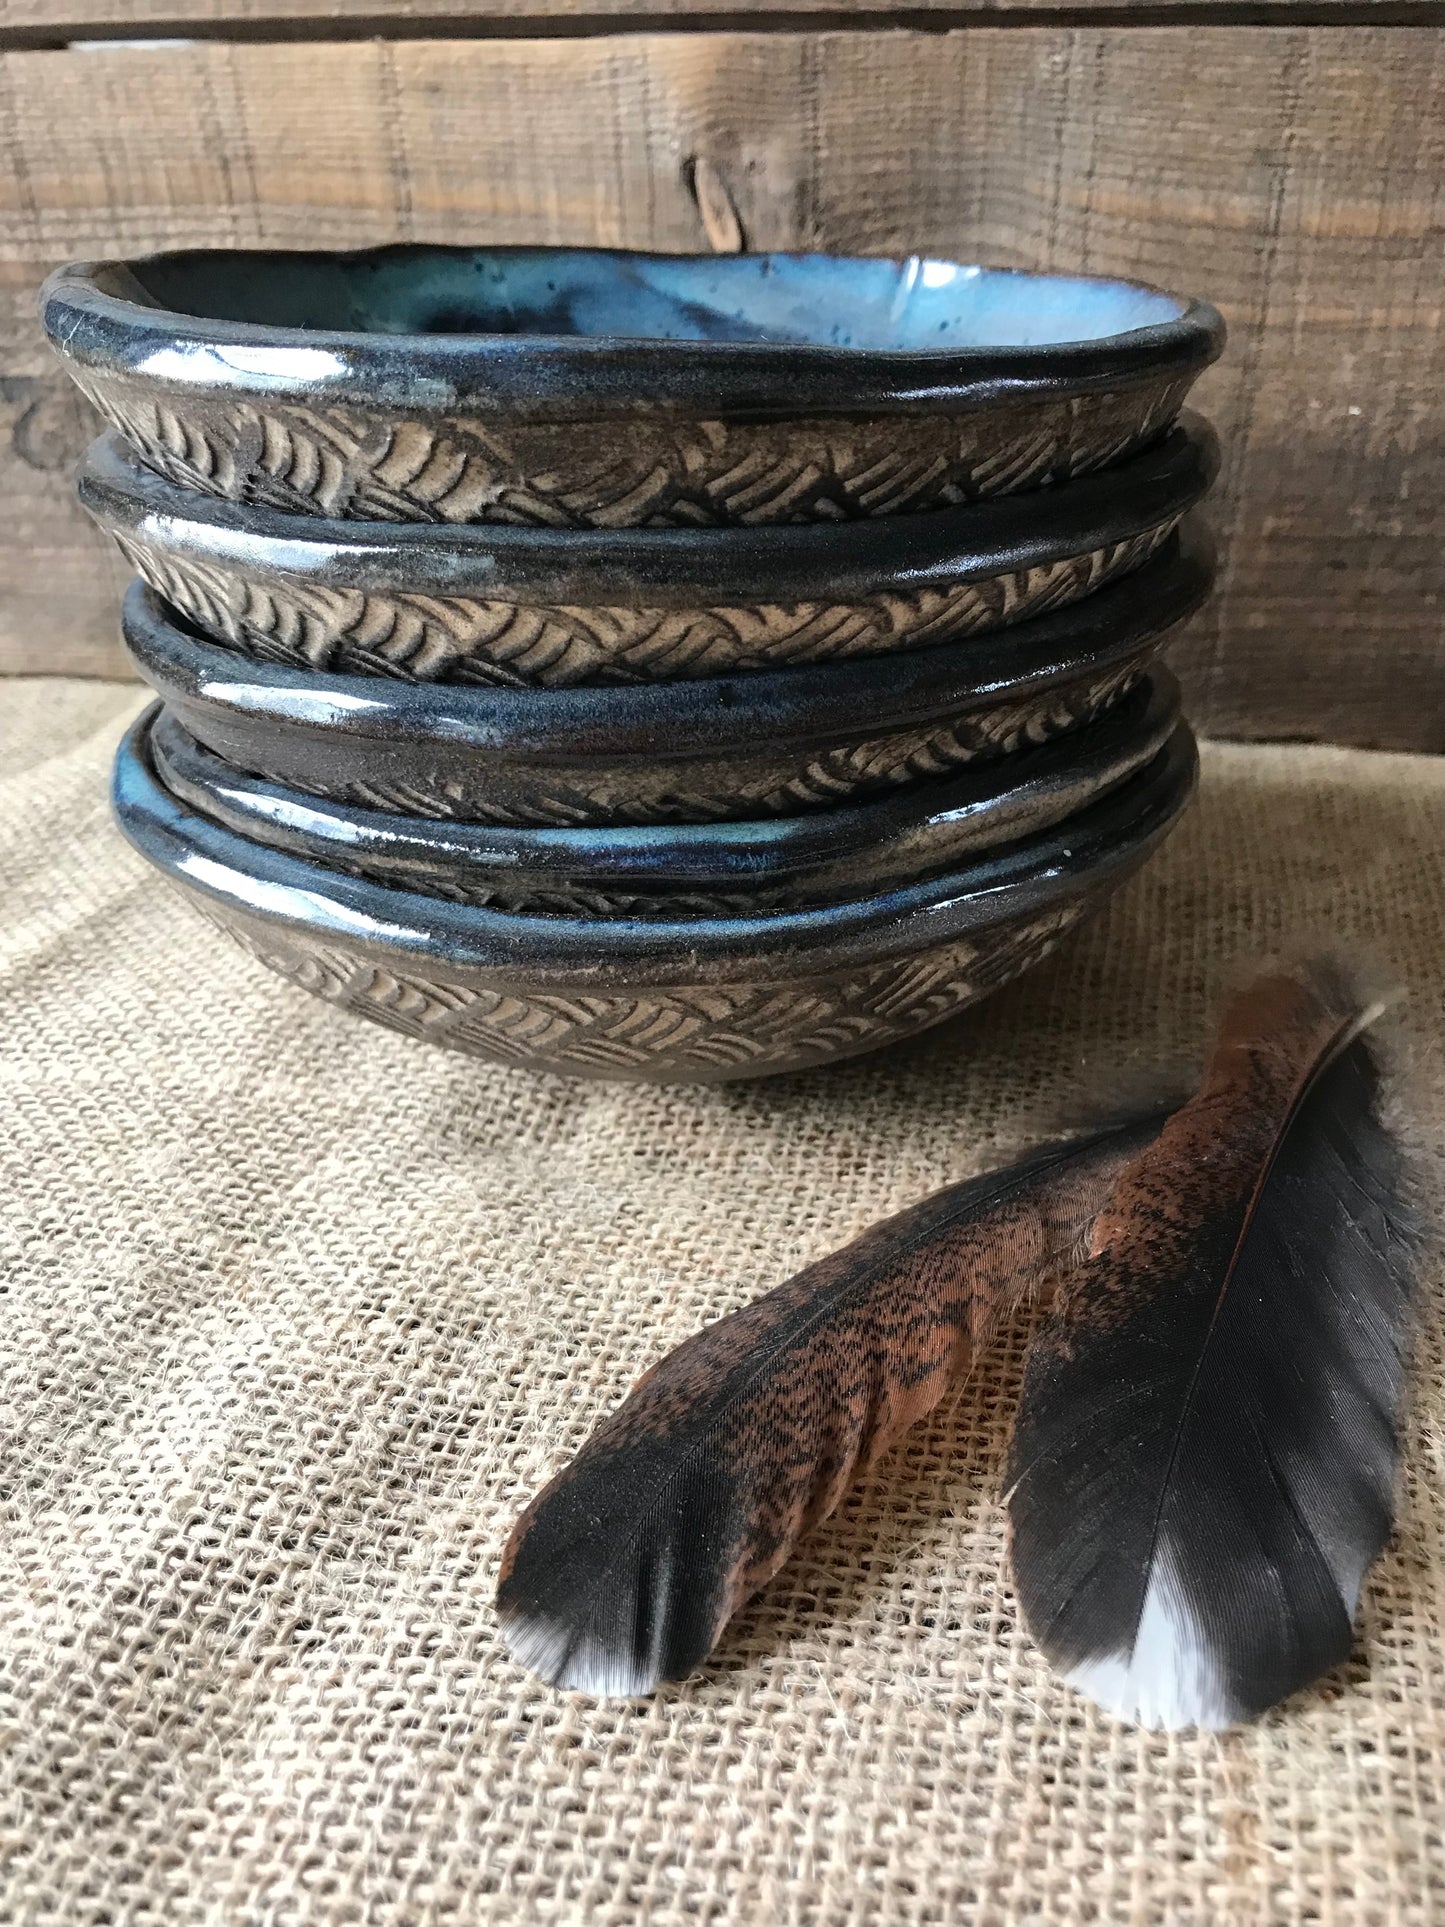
1203 1465
624 1571
614 1581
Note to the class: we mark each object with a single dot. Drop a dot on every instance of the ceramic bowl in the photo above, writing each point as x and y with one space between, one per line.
687 1001
515 607
579 388
691 869
777 743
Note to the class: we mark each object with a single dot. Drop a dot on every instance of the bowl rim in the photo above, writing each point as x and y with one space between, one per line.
578 377
760 852
665 567
1089 851
856 698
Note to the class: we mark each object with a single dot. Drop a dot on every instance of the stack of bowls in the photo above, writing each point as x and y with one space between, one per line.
645 666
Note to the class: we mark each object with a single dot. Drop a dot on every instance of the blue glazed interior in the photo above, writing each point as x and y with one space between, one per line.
813 299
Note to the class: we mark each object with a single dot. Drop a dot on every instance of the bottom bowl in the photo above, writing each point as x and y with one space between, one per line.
686 1002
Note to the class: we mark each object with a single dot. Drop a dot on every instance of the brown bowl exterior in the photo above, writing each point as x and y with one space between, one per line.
367 464
687 1034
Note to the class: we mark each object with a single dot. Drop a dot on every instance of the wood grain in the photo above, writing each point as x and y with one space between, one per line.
1296 176
56 22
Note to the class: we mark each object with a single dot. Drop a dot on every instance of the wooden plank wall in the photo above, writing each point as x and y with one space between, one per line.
1295 174
57 23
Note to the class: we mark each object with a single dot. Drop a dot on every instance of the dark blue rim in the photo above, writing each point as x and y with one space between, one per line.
855 699
572 377
695 856
666 568
1086 854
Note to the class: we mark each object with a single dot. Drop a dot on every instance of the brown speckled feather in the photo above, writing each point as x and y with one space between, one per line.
626 1568
1214 1152
1203 1461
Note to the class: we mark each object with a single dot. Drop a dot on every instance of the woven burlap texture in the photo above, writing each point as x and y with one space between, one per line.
299 1313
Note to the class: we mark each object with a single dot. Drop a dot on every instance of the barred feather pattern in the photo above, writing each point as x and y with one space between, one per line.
623 1572
1204 1458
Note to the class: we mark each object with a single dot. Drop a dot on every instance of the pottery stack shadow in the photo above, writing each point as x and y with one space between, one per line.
645 666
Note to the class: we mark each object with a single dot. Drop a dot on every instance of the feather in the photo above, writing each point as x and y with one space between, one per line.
1204 1457
623 1572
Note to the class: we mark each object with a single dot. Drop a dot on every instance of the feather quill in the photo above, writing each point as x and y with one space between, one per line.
1203 1463
623 1572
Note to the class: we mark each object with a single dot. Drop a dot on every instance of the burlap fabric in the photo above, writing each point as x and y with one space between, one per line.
298 1313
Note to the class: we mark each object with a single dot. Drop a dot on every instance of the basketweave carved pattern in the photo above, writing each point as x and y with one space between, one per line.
701 1033
633 471
443 638
541 901
587 903
780 783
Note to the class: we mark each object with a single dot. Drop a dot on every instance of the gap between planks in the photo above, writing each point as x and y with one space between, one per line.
80 33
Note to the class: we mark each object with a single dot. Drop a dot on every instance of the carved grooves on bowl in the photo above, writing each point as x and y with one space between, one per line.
673 793
634 472
727 1030
657 907
481 888
463 639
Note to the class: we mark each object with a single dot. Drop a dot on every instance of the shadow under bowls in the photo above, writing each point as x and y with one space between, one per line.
776 743
688 1001
691 869
574 387
516 607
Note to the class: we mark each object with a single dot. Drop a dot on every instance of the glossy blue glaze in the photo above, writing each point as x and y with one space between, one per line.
670 568
1088 852
705 718
529 331
816 300
561 388
779 863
